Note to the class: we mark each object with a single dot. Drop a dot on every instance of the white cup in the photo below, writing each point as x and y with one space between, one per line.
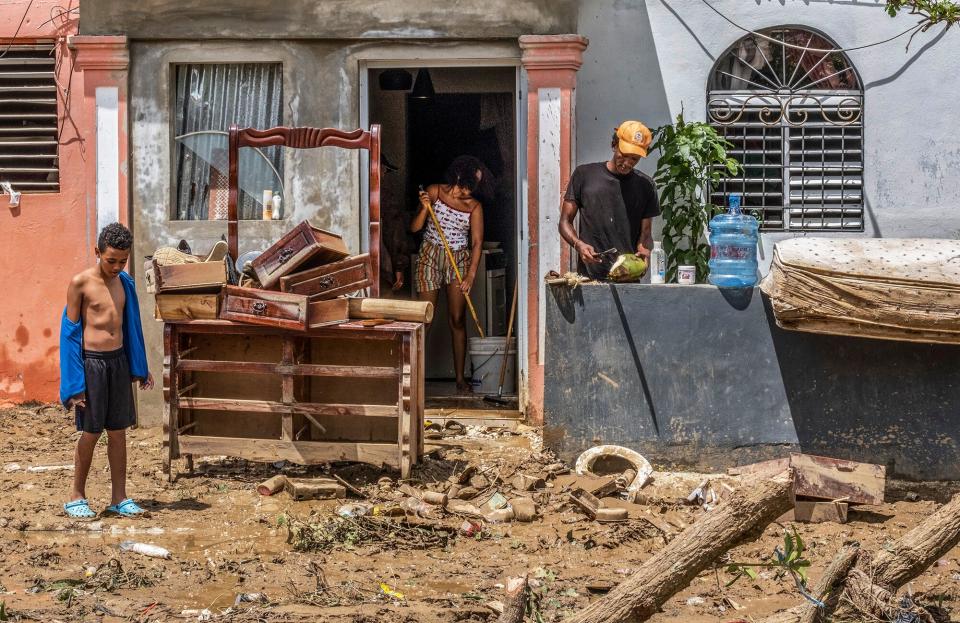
686 275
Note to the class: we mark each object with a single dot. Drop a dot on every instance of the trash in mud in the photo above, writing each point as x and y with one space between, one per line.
146 549
37 469
389 592
328 533
251 598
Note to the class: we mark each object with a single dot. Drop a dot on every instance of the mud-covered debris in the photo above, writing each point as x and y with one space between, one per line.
327 533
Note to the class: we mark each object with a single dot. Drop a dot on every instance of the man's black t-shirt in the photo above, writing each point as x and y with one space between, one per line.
611 208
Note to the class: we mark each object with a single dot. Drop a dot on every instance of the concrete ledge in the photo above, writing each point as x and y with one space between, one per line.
697 377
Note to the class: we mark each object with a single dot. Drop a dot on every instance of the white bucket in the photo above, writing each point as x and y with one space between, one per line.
486 356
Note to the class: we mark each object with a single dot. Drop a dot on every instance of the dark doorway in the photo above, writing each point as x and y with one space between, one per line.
472 112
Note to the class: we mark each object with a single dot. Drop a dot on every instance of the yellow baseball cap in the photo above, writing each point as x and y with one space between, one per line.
635 138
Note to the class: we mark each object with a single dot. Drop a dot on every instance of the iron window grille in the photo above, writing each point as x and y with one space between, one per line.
28 118
793 111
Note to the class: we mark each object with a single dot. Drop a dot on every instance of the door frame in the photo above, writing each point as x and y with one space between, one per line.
520 130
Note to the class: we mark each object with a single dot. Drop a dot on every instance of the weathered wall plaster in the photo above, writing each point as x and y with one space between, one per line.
331 19
648 59
50 237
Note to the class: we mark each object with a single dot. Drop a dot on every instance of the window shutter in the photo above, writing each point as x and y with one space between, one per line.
28 118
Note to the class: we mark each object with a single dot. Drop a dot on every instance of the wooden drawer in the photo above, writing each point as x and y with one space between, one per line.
302 247
325 312
198 277
330 280
188 306
274 309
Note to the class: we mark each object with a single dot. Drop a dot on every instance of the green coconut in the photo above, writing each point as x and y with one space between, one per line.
628 267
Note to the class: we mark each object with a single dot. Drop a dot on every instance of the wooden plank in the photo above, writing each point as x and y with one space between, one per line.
404 404
197 277
188 306
808 511
257 367
170 424
286 390
365 372
301 452
835 479
352 329
763 469
417 366
233 367
268 406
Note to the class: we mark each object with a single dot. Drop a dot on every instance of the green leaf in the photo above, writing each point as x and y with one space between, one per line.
751 573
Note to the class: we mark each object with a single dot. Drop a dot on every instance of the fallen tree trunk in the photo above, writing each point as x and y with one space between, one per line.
515 602
826 588
914 552
751 506
871 586
868 588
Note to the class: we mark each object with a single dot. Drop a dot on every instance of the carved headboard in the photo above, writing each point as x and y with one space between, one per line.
308 138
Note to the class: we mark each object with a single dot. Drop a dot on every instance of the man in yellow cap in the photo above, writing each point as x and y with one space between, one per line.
615 202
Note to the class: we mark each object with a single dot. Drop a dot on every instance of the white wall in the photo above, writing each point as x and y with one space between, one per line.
648 58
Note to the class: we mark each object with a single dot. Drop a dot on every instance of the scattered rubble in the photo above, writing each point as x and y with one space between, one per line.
488 507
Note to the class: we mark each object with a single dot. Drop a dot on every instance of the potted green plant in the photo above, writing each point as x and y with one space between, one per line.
692 156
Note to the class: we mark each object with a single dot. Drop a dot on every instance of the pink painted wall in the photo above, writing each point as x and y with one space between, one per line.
50 236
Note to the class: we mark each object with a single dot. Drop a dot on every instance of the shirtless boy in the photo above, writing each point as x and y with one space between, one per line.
101 354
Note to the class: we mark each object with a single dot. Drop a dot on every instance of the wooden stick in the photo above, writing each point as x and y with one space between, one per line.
637 598
515 601
456 271
506 347
186 389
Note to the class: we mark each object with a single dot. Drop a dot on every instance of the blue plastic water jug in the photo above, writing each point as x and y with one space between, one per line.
733 248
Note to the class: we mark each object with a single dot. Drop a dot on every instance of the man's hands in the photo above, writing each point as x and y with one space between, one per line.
587 253
397 280
643 252
148 383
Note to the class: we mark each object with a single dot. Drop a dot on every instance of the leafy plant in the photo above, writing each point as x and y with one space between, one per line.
692 155
788 561
931 12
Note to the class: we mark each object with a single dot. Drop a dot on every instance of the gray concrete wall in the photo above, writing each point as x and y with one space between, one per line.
649 58
692 376
329 19
321 88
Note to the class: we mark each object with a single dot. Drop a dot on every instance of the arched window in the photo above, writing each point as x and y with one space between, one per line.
794 113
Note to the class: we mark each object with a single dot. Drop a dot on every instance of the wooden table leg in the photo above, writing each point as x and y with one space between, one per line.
286 432
404 405
171 347
417 367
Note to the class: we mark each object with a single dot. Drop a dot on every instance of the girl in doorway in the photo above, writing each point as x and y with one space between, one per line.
458 206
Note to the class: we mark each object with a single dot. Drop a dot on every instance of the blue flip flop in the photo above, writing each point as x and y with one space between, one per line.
79 509
127 508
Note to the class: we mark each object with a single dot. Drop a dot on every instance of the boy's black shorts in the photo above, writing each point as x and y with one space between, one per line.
109 393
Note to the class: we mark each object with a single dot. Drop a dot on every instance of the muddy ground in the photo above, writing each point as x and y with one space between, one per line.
227 540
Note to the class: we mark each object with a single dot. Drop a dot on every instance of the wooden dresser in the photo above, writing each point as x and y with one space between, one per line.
341 392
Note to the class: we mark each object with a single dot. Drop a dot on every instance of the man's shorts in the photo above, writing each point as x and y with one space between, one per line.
109 393
433 266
